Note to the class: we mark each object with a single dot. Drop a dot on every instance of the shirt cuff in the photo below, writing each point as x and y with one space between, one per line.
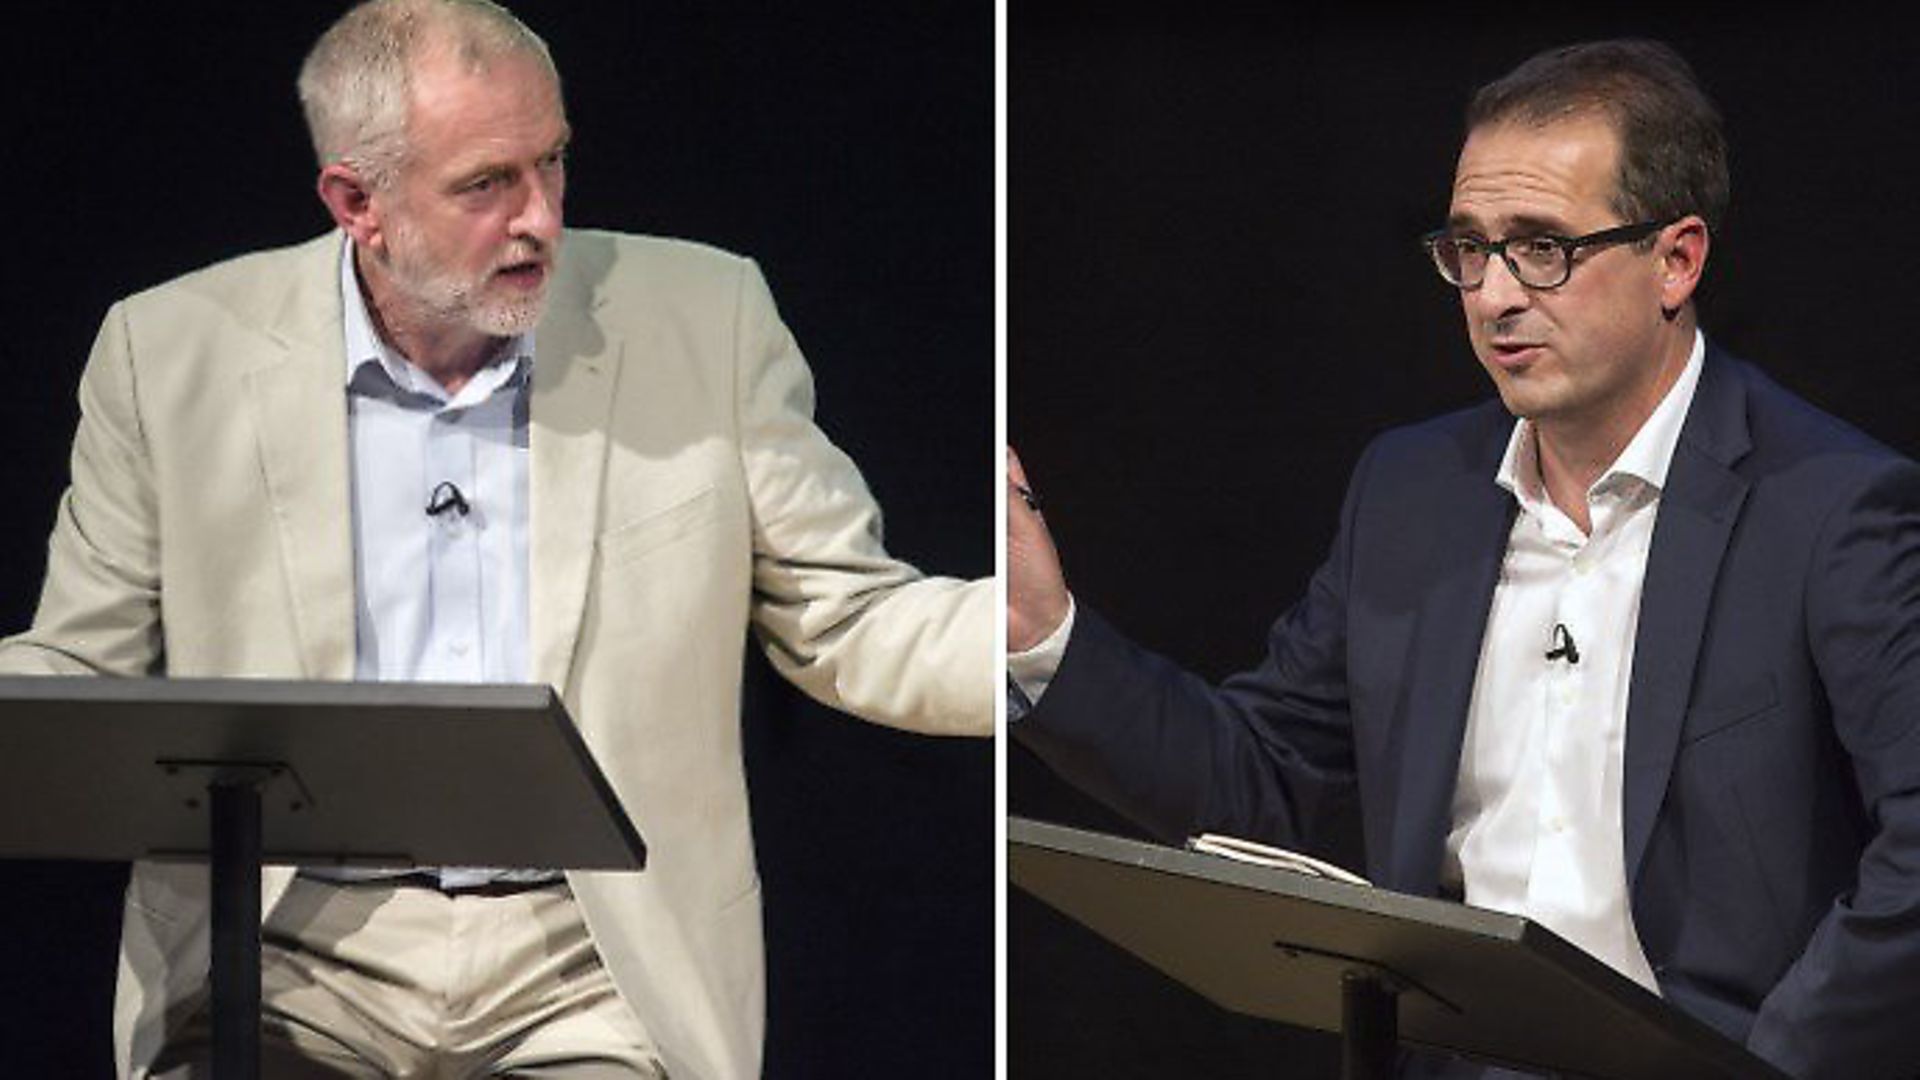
1032 669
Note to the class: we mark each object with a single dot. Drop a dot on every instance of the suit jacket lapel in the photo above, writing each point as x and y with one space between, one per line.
1698 509
574 376
1446 650
296 390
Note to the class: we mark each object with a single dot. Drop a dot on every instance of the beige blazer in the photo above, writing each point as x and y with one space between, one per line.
680 494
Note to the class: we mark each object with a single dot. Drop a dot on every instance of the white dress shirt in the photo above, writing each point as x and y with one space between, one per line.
1031 670
1536 809
1536 826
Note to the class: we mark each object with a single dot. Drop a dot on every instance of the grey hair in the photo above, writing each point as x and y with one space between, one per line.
356 83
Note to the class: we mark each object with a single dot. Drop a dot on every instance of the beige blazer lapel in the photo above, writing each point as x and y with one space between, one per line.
575 372
297 394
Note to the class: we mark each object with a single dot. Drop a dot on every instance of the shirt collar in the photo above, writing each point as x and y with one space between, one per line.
364 347
1646 457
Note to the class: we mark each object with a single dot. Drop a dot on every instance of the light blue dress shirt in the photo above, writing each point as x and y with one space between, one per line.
437 597
440 598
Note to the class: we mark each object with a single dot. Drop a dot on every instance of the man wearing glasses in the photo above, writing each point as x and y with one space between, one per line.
1642 664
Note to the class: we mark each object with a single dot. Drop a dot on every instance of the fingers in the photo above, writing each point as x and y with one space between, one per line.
1017 482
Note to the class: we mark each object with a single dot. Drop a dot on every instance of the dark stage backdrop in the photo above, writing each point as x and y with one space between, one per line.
850 151
1216 297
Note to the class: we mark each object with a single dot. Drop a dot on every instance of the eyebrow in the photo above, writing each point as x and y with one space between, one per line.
1522 225
504 168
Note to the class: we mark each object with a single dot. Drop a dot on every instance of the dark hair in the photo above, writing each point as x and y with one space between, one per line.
1673 152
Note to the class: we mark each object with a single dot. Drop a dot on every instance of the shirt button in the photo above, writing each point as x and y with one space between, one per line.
459 648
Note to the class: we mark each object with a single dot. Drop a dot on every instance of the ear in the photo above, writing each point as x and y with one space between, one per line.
1683 259
349 200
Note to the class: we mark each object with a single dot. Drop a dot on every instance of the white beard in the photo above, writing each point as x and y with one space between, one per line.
448 296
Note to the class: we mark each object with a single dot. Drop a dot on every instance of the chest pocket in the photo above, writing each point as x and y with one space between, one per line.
635 540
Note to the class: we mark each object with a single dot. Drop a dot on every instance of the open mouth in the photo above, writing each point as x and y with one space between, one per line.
526 275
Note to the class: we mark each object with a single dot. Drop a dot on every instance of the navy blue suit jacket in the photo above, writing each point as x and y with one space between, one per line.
1772 773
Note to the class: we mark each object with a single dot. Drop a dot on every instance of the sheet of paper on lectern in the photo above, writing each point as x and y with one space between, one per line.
1248 851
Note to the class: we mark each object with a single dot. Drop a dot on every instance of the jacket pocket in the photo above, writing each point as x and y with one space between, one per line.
635 539
1748 702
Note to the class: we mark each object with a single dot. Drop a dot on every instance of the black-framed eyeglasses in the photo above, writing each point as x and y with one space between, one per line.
1543 261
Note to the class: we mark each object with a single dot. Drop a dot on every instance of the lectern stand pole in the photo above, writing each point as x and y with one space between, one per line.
234 805
1369 1027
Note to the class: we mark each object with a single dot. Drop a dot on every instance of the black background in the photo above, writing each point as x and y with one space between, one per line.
849 151
1216 297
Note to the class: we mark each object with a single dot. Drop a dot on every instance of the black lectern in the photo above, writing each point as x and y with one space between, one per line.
1378 967
241 771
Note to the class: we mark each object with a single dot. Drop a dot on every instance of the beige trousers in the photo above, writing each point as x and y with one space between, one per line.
383 980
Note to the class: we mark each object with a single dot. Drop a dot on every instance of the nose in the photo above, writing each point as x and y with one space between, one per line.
540 215
1500 292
